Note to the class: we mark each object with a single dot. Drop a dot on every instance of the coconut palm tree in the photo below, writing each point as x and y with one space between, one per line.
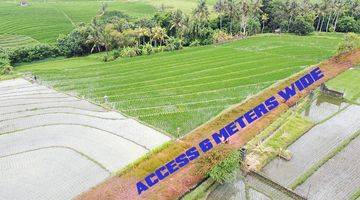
96 37
177 23
264 19
233 12
201 11
141 33
220 7
158 34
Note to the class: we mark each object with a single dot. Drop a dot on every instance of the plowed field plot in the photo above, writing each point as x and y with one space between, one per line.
178 91
53 173
324 107
251 185
338 178
314 145
55 145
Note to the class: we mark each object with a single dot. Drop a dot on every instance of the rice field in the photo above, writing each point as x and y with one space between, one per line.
338 178
49 173
12 41
314 145
45 20
248 187
348 83
52 140
178 91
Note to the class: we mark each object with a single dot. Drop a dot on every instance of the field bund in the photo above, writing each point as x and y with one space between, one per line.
56 145
123 186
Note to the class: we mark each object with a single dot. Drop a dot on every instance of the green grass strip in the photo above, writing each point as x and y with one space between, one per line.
300 180
202 191
355 195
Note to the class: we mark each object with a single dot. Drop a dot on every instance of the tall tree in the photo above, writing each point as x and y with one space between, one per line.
264 19
158 34
178 23
220 7
97 36
201 11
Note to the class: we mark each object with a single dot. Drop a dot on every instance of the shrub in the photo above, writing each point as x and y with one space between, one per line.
226 170
301 26
253 26
130 52
348 24
351 42
147 49
33 53
111 56
75 43
4 57
6 69
195 43
115 54
159 49
107 58
221 36
174 44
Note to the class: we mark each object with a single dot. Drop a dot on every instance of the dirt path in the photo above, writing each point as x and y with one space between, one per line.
174 186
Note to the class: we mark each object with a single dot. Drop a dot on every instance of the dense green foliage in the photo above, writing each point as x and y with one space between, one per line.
227 169
348 24
301 26
188 87
351 42
5 66
44 20
75 43
32 53
174 29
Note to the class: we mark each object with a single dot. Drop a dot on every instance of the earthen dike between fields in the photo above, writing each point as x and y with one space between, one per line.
124 186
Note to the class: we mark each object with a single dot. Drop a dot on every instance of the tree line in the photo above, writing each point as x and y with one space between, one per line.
122 36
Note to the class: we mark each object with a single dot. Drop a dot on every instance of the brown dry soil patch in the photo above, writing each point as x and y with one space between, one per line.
123 186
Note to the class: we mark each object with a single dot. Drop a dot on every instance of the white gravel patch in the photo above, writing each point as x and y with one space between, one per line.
314 145
338 178
46 174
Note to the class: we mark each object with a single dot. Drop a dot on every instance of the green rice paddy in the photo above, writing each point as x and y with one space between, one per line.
348 83
10 41
44 20
178 91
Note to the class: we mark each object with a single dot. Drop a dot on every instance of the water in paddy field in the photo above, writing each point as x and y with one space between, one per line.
335 120
323 106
